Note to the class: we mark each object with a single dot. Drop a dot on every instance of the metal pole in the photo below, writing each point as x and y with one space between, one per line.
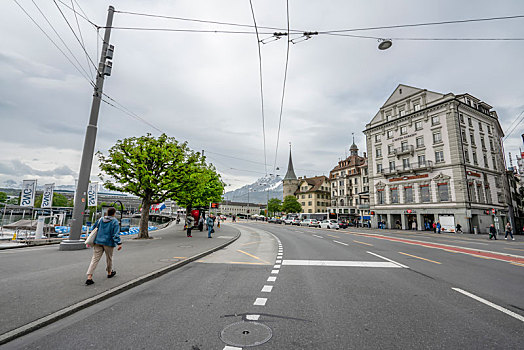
74 242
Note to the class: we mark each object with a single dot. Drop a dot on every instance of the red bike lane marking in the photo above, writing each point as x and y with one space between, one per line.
451 248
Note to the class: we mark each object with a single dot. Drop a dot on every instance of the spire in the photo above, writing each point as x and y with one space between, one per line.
353 150
290 175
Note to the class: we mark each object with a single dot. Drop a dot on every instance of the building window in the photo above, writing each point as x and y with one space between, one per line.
494 163
480 126
491 145
437 137
489 129
303 204
356 180
416 106
443 192
461 117
394 195
471 191
469 122
404 146
405 163
464 138
379 168
488 195
401 111
485 160
309 210
421 160
424 193
392 165
483 144
472 137
420 142
380 196
474 155
480 193
390 134
408 194
379 152
377 138
309 203
388 117
418 125
390 149
309 195
435 120
466 156
403 130
439 156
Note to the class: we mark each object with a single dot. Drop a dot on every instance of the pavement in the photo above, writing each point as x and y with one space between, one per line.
46 284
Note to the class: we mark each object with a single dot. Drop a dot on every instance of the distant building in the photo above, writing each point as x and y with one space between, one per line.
240 208
312 193
349 183
435 156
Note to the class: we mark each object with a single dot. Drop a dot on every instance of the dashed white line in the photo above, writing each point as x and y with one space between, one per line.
276 266
267 289
260 301
274 272
340 242
272 278
252 318
232 348
278 262
489 303
318 236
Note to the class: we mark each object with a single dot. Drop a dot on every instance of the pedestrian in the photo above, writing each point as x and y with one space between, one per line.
107 238
438 226
210 223
218 221
178 219
508 231
492 232
190 221
434 227
459 228
201 223
414 225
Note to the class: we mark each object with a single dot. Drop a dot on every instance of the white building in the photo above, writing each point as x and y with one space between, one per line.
436 157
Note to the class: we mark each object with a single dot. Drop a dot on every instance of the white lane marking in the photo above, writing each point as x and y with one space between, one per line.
252 318
260 301
276 266
278 262
267 289
318 236
489 303
232 348
339 263
394 262
274 272
340 242
272 278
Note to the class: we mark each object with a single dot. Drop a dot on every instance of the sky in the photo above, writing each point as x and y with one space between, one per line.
204 88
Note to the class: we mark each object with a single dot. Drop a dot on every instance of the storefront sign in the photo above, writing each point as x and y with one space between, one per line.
408 178
410 211
403 137
471 173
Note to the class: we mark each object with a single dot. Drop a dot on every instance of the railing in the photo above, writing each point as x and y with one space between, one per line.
409 149
405 168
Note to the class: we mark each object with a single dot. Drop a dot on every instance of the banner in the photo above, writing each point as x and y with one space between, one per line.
92 194
47 197
27 198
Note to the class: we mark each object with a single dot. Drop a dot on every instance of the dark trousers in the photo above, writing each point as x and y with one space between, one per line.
493 235
510 233
189 231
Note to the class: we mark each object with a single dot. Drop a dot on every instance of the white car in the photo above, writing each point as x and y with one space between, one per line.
309 223
329 224
288 221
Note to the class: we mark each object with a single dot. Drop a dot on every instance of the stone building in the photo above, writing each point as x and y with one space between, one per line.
436 157
349 184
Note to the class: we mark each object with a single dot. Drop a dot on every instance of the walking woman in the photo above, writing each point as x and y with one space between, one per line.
107 238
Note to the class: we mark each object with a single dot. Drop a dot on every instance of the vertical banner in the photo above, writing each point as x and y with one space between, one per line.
27 199
92 194
47 197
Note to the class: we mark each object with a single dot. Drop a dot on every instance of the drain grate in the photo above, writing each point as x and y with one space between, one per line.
246 334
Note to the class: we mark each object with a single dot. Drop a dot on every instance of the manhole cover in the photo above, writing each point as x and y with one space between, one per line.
246 334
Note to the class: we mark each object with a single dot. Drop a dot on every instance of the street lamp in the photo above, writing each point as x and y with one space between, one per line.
385 44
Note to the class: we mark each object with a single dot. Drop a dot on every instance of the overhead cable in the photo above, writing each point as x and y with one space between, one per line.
261 85
84 16
81 37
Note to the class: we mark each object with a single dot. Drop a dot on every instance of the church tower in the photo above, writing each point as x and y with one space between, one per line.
290 182
353 150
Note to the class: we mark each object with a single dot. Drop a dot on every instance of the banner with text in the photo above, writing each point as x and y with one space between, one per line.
92 194
47 197
27 199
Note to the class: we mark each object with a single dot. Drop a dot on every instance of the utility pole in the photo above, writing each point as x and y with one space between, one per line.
104 68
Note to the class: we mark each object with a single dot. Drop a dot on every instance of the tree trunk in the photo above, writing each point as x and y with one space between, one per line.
143 232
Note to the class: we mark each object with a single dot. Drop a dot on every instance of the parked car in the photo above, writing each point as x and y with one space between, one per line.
288 221
343 224
309 223
296 221
278 221
272 220
329 224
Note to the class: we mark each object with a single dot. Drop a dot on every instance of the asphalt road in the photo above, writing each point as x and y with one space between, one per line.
286 287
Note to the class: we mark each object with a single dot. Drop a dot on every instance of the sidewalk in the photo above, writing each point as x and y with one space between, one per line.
42 284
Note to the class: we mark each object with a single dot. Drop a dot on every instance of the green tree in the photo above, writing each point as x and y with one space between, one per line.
15 201
155 169
291 205
274 205
3 197
59 200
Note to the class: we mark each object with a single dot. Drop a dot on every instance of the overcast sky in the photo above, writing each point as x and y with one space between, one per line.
204 87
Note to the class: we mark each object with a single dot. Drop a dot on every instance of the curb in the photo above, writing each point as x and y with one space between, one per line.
67 311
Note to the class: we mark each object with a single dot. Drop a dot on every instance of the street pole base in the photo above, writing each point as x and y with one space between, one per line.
70 244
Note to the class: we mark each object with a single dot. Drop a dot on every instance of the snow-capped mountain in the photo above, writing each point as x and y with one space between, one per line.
258 191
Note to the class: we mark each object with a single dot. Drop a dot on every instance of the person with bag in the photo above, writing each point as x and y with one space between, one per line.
492 232
210 222
107 238
189 224
508 231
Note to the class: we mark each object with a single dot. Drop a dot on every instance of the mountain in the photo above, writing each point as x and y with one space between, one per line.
258 191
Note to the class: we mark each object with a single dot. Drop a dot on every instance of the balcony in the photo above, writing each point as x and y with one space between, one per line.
408 168
408 149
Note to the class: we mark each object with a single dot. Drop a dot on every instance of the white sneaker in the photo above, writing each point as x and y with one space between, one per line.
505 237
513 238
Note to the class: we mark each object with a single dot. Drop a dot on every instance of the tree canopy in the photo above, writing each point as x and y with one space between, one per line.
59 200
274 205
156 169
291 205
3 197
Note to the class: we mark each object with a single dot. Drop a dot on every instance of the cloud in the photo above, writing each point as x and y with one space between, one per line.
20 169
